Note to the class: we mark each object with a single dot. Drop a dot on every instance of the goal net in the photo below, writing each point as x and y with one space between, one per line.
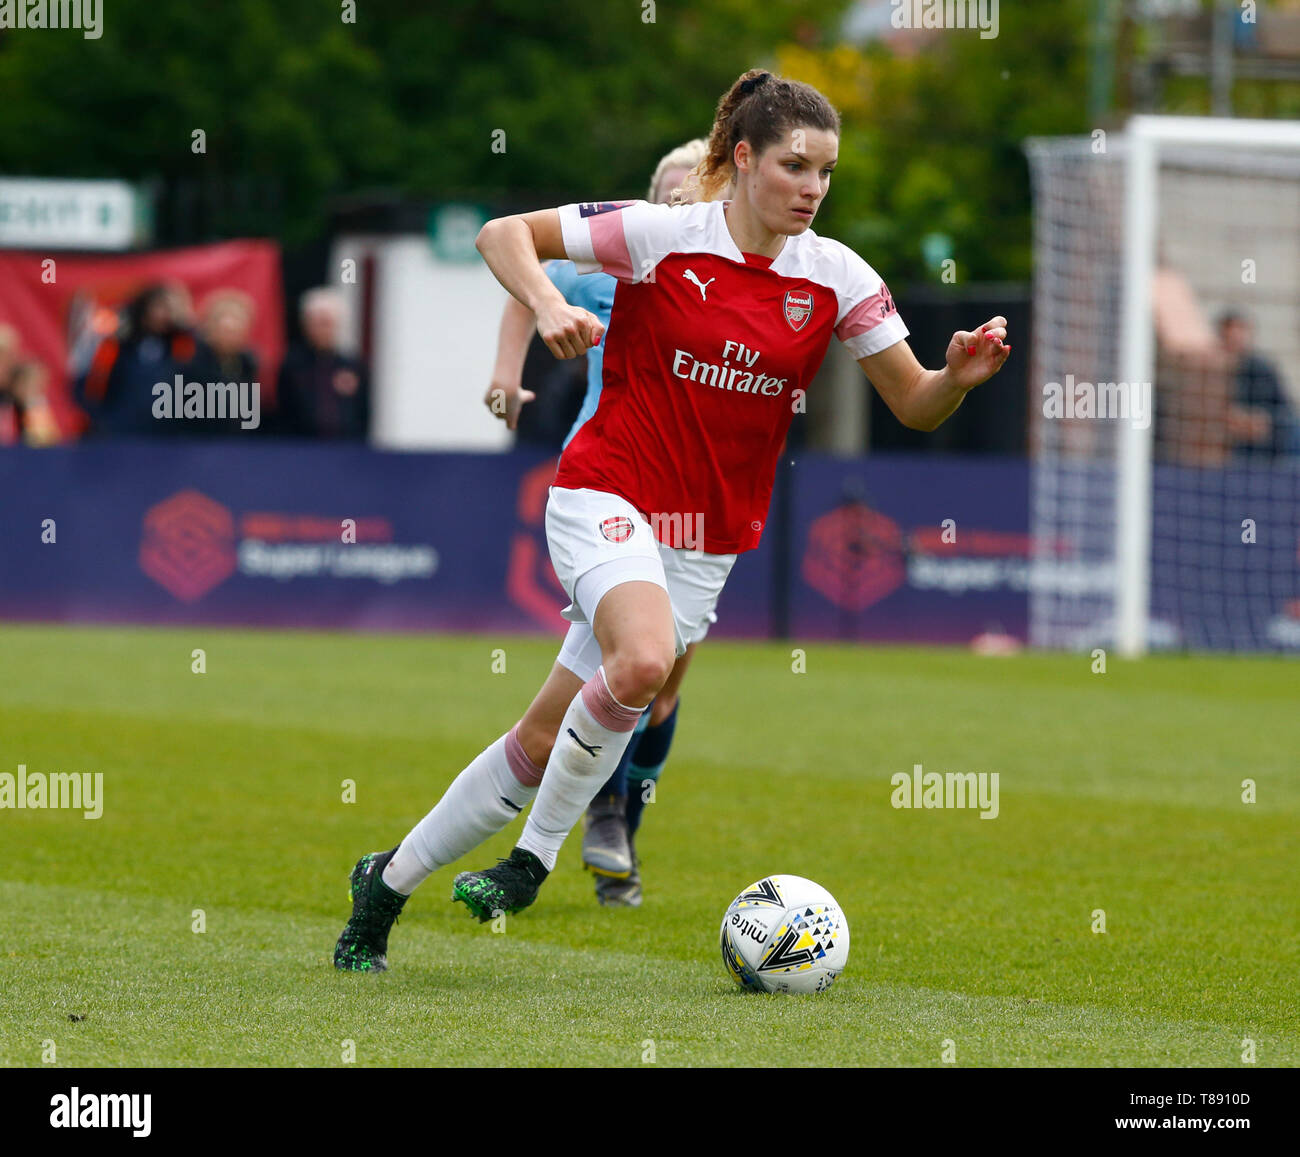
1165 428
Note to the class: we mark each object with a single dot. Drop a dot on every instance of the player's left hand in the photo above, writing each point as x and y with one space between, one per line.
975 357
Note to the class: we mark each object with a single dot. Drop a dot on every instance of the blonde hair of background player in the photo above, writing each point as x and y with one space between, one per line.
684 157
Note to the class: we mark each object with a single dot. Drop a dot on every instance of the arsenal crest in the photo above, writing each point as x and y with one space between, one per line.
798 308
617 529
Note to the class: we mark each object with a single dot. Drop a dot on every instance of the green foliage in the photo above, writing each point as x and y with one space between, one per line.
282 90
932 140
407 97
587 98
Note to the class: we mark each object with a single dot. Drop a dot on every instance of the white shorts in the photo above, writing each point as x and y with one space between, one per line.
597 541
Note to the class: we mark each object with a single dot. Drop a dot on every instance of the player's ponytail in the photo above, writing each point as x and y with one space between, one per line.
759 108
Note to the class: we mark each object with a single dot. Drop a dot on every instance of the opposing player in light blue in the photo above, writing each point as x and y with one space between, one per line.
609 835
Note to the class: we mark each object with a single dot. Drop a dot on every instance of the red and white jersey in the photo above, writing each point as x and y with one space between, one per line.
705 353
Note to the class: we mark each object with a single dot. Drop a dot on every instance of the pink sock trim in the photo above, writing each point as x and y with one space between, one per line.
521 767
604 708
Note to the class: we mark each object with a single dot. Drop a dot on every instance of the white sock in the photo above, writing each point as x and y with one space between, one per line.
577 768
485 797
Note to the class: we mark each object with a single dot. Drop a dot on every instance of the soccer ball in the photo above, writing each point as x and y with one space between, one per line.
785 934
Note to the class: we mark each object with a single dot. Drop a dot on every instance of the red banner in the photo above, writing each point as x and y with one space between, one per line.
53 300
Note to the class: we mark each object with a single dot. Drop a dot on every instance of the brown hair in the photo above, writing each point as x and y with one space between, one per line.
759 108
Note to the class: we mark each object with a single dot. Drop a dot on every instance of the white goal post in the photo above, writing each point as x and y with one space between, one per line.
1150 221
1147 136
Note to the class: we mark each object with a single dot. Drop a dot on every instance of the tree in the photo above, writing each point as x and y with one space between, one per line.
410 96
932 141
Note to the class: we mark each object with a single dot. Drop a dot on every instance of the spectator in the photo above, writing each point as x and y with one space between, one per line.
322 392
25 413
223 353
1193 395
9 347
180 303
1263 422
89 323
151 345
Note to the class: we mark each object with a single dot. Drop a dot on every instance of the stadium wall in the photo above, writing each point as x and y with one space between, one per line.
255 535
895 547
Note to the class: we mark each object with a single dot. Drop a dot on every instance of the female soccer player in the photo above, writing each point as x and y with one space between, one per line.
609 836
723 313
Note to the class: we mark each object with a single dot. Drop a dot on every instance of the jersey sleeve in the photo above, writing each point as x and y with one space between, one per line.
868 320
625 239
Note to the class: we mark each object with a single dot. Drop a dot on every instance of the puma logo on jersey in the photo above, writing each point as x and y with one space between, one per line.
703 287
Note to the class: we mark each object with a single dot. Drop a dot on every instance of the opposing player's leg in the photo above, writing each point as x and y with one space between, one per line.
496 786
634 627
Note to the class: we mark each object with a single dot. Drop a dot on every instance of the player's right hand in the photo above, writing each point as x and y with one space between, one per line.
506 399
568 330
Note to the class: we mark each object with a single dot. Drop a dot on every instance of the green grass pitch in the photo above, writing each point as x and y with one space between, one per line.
223 792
